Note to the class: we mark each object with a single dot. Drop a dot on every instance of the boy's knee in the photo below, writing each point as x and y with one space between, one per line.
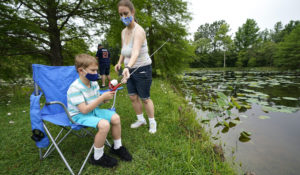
103 125
115 119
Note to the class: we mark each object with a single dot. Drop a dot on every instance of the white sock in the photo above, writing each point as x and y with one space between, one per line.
117 143
140 117
152 120
98 152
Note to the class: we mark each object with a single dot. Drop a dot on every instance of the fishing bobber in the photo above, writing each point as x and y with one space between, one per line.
113 85
114 82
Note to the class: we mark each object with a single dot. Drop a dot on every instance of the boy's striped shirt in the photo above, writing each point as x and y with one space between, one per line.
79 93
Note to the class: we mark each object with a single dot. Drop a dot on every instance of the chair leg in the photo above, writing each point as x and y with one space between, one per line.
50 151
107 143
58 150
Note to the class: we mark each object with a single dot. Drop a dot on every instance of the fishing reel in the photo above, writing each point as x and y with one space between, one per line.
113 85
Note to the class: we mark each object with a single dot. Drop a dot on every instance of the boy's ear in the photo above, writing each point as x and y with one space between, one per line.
79 70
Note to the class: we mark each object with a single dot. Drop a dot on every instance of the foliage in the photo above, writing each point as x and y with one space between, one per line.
212 32
288 53
211 42
42 27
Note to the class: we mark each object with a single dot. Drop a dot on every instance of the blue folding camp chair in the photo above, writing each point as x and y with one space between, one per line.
54 82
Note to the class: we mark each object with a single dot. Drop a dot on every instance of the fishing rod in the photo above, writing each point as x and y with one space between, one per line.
150 56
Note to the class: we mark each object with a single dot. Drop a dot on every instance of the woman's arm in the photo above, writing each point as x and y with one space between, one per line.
139 38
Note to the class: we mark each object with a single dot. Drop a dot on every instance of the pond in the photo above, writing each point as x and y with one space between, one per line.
254 115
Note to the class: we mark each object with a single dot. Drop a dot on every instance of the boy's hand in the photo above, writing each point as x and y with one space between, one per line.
108 95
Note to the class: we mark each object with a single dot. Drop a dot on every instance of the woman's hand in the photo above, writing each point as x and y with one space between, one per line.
126 75
117 67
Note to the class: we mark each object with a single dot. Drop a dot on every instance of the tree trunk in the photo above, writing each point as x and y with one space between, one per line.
55 57
224 60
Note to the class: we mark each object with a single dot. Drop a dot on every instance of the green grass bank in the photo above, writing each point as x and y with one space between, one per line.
180 146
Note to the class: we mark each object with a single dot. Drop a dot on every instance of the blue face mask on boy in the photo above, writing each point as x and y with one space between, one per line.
126 20
91 77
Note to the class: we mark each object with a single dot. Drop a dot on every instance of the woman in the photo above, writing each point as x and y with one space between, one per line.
137 61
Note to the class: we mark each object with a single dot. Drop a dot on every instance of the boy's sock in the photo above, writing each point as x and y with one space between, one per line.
117 143
141 117
98 152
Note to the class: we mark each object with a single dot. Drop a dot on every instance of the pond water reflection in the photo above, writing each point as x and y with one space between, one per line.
270 111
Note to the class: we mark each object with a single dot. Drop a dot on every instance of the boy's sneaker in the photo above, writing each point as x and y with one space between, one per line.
138 123
152 128
122 153
104 161
102 86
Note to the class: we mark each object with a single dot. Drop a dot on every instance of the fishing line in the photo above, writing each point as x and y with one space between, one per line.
149 57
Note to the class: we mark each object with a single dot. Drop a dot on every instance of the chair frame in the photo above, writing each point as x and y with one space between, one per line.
56 142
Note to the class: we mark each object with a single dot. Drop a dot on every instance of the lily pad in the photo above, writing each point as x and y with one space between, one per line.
290 98
225 129
218 124
244 116
245 136
205 121
235 103
263 117
244 139
247 90
246 133
204 78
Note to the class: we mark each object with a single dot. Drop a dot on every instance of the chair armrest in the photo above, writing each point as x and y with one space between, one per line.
65 108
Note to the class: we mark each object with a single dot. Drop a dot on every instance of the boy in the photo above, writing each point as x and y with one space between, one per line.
83 101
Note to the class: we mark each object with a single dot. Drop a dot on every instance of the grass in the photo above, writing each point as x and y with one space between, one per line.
180 146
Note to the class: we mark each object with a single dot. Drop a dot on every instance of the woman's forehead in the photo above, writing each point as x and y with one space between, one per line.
124 9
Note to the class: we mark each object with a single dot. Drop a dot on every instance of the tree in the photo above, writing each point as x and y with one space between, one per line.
246 38
210 41
209 31
288 53
247 35
277 34
43 26
223 40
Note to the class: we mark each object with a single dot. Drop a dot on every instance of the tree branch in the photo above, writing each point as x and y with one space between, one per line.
31 8
30 36
70 14
45 53
39 5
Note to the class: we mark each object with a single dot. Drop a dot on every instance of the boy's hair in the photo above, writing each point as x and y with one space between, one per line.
126 3
84 61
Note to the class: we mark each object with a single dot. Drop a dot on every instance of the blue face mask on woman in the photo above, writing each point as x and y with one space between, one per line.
126 20
91 77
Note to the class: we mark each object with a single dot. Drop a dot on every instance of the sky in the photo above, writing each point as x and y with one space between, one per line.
235 12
